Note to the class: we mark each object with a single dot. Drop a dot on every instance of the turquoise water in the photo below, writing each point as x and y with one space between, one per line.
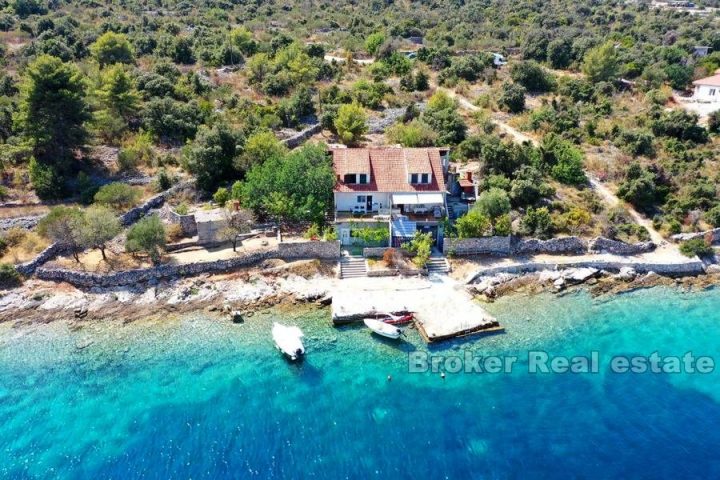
201 398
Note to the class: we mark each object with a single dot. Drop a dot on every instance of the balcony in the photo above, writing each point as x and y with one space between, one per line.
415 213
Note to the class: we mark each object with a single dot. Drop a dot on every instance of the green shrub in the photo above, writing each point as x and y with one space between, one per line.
696 246
9 276
45 180
473 225
503 225
712 216
421 247
493 203
714 122
182 209
222 196
512 98
532 76
537 222
312 233
147 236
163 180
330 234
117 195
371 235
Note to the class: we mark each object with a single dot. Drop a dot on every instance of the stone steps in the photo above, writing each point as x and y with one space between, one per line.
438 265
352 267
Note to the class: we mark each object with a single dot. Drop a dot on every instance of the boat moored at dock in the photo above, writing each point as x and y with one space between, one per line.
382 328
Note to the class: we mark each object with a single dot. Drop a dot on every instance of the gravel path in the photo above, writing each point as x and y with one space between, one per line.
602 190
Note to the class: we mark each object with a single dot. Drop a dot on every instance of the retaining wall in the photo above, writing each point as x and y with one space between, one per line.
27 268
615 247
511 245
126 219
186 222
507 246
694 267
285 251
135 214
478 246
28 222
556 246
681 237
296 140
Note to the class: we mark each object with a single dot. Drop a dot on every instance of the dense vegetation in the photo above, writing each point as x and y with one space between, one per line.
207 88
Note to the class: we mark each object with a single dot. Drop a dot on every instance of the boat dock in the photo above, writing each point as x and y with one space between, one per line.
442 308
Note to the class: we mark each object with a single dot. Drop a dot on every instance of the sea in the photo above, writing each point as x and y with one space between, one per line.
619 386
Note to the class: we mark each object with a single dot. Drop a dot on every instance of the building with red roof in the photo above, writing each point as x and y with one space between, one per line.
707 89
388 184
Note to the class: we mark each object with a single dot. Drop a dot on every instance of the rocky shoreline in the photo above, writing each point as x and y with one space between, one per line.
237 296
234 296
597 282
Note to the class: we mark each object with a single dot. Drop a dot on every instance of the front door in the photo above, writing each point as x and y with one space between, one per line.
345 236
368 199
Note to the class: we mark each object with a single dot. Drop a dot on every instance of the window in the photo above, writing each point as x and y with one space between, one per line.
355 178
420 178
361 199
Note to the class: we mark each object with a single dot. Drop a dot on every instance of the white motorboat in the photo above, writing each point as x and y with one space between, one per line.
288 340
382 328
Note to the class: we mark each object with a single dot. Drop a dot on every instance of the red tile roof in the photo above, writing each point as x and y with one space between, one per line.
713 81
352 160
389 168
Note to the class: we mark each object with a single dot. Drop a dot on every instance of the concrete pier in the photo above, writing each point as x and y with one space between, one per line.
442 308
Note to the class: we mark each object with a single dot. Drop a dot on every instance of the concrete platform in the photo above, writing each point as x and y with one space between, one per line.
442 308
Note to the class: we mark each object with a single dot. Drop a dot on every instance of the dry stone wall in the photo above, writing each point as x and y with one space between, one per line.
285 251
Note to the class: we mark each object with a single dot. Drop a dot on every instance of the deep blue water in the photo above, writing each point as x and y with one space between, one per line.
202 398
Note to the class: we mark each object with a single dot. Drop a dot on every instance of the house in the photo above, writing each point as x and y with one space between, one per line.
707 89
403 189
209 224
468 186
701 51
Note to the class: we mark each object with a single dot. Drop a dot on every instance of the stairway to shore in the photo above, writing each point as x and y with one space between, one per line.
438 265
352 267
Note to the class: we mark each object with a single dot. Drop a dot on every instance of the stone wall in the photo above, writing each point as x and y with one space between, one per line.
186 222
682 237
323 250
285 251
135 214
127 219
506 246
298 139
553 246
478 246
692 267
48 254
615 247
386 272
28 222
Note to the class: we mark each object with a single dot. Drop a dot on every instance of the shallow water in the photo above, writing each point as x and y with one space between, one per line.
202 398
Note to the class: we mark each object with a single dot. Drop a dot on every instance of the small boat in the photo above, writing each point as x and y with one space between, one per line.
382 328
288 340
397 319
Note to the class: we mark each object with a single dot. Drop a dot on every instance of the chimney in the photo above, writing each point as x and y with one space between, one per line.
468 175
